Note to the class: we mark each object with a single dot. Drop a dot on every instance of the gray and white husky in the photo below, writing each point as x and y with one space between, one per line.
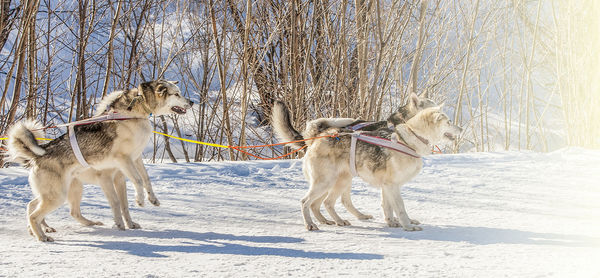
108 147
285 132
326 164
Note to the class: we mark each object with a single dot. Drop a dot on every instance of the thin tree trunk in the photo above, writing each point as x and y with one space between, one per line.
28 16
528 98
414 74
109 51
222 76
463 81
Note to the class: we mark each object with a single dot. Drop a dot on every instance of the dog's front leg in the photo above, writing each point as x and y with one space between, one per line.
392 198
127 166
106 183
121 190
139 165
388 211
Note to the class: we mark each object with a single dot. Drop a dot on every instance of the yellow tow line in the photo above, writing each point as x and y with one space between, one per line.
164 134
192 141
47 139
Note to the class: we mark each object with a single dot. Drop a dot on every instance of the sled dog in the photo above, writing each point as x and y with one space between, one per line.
113 184
111 146
326 164
285 132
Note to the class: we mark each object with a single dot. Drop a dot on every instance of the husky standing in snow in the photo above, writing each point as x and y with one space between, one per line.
108 147
285 132
327 166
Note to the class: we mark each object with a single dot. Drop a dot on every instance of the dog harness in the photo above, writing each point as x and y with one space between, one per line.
360 125
111 115
382 142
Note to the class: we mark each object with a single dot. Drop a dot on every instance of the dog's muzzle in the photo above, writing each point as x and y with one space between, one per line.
453 136
178 109
182 110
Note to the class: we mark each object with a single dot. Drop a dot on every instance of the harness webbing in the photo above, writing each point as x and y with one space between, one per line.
75 147
360 125
378 141
111 115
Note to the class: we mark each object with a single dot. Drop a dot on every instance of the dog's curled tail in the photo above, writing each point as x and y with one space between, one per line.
282 125
22 145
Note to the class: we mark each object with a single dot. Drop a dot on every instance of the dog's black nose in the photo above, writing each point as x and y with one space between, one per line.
191 103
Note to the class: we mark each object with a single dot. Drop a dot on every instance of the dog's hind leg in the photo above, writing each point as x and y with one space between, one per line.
139 165
44 206
316 209
347 202
74 199
121 190
333 195
318 188
106 182
30 207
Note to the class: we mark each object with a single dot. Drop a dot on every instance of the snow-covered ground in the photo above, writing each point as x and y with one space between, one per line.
485 214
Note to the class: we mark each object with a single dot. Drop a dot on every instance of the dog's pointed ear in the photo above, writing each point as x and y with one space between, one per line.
162 89
174 82
414 99
440 117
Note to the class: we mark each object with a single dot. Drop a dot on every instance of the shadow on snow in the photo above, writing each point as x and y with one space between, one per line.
216 243
485 236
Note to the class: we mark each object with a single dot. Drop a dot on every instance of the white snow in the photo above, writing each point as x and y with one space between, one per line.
484 215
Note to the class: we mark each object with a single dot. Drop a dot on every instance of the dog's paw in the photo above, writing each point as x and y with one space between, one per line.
154 201
139 202
45 238
343 223
119 226
49 230
394 224
365 217
92 223
327 222
415 222
134 225
312 227
411 228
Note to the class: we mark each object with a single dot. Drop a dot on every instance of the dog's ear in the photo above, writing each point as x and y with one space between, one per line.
162 89
414 99
174 82
440 117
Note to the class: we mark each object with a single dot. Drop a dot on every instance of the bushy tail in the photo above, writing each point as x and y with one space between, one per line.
282 125
22 145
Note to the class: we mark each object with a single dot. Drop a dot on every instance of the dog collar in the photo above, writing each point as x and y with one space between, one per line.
425 141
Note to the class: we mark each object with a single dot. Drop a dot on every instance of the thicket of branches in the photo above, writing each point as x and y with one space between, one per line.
511 72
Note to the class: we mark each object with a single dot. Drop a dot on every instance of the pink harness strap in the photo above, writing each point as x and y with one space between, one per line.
111 115
382 142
